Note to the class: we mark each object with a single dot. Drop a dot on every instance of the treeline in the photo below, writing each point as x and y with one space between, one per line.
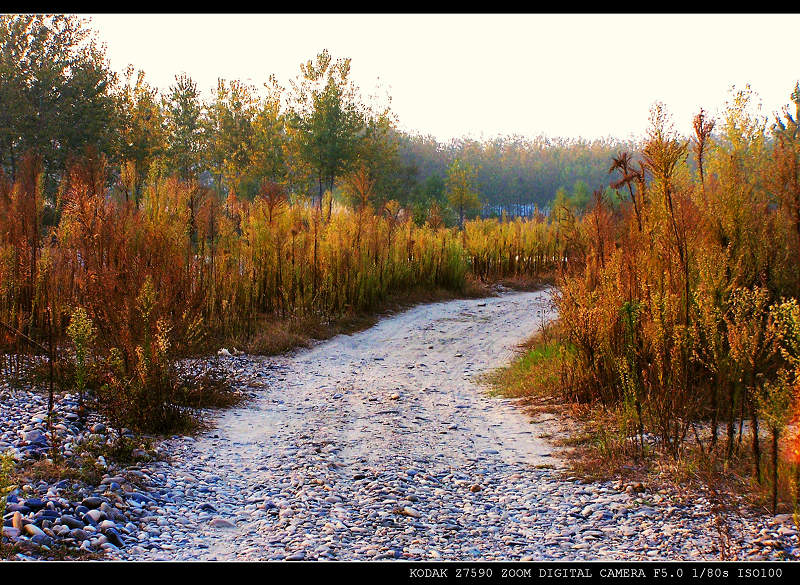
61 100
678 308
60 97
513 174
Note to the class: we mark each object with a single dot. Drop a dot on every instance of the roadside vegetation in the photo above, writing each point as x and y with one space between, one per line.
678 316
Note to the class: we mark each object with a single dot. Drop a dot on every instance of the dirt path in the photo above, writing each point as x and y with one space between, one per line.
382 445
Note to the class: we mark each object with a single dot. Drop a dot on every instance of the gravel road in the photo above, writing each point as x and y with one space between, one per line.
383 445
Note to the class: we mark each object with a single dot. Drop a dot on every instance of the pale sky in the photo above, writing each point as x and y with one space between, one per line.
484 75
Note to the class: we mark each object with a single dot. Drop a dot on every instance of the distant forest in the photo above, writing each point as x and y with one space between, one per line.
513 173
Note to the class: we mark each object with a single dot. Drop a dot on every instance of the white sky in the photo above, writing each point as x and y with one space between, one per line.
483 75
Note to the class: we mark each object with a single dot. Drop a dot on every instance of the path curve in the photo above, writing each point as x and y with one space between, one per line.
382 445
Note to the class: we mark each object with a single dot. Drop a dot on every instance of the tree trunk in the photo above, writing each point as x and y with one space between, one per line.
756 448
714 413
731 421
775 434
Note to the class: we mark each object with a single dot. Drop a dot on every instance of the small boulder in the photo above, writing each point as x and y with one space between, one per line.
34 436
92 502
16 521
33 530
113 537
70 521
222 523
34 504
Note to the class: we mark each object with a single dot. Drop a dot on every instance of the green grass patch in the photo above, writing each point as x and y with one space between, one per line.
536 372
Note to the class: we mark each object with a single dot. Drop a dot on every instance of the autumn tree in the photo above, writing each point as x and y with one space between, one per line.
328 117
140 127
55 92
703 127
623 163
228 126
461 191
269 144
378 151
183 110
184 140
784 176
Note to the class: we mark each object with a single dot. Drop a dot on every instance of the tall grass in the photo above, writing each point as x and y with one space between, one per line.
125 286
678 307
